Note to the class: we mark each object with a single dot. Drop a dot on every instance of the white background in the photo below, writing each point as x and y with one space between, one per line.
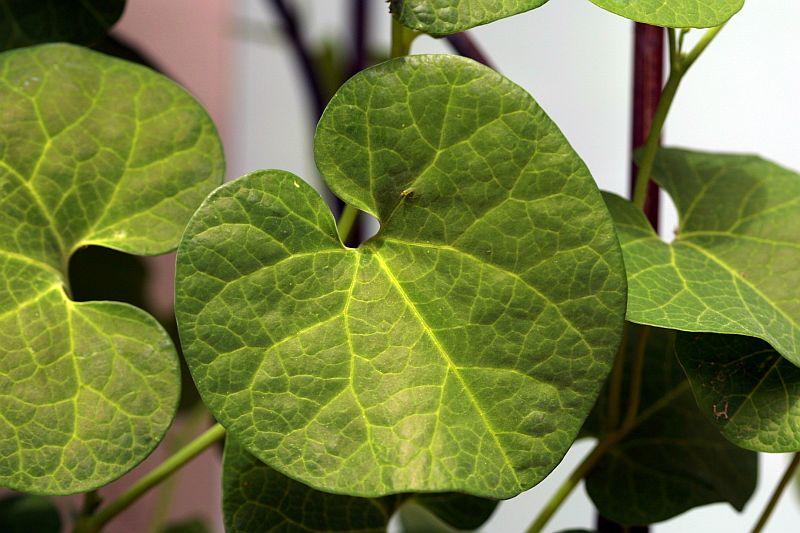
575 59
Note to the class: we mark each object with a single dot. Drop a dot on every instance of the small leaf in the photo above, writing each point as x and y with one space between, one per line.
746 388
674 13
443 17
457 351
256 498
27 22
27 514
732 267
93 151
671 459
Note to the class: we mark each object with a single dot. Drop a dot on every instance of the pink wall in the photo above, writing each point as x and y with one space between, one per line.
188 40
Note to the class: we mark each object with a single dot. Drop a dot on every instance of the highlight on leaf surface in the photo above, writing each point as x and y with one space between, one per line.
461 348
254 495
93 151
28 22
732 267
745 387
444 17
671 459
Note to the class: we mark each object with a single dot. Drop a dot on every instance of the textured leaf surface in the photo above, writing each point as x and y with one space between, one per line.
672 459
443 17
733 266
674 13
27 514
93 150
256 498
458 350
27 22
746 388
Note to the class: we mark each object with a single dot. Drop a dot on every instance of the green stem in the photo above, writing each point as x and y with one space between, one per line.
637 373
566 488
347 221
679 65
615 383
776 495
402 38
193 421
151 479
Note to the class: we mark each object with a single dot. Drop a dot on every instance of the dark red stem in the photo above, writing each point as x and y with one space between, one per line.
648 79
292 31
465 46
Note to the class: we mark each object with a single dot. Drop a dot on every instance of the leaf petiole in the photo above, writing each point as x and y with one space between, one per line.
788 475
151 479
679 65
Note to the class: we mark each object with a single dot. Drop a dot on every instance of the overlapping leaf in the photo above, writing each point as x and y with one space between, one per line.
732 267
257 498
458 350
443 17
674 13
93 150
671 458
27 22
746 388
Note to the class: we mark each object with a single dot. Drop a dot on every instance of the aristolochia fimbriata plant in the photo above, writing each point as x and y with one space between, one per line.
505 308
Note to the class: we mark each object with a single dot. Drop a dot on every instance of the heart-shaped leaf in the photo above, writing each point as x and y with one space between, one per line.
444 17
256 498
93 150
746 388
461 348
674 13
671 459
732 267
27 22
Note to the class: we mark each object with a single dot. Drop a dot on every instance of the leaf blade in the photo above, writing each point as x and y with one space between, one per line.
420 326
87 389
711 278
745 388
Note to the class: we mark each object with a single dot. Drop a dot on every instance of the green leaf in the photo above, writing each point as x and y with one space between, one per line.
732 267
93 151
26 514
670 459
458 350
461 512
443 17
674 13
746 388
256 498
27 22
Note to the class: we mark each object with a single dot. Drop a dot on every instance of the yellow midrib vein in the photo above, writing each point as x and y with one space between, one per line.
396 284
